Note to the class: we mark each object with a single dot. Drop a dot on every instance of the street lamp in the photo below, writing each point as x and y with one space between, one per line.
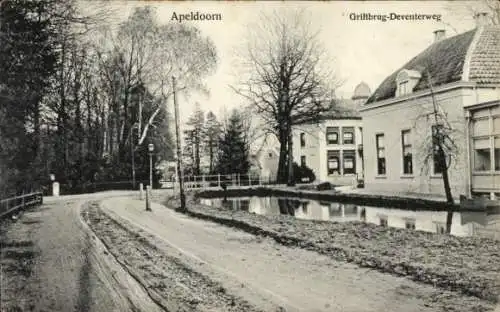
151 148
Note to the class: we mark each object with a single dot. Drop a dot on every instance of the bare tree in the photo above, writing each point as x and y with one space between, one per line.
466 10
286 77
439 148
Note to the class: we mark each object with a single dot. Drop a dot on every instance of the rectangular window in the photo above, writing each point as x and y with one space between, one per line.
482 155
333 162
407 152
481 126
302 161
410 224
379 139
403 88
440 228
332 135
348 135
497 153
496 124
383 221
435 148
302 139
349 161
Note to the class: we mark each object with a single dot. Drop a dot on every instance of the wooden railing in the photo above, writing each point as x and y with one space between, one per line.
13 204
216 180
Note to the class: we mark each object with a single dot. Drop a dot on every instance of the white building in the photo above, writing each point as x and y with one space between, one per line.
333 148
465 74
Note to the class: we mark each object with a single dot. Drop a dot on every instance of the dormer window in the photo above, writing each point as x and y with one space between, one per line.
406 81
403 88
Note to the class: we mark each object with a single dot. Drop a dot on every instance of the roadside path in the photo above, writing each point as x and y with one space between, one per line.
51 263
269 275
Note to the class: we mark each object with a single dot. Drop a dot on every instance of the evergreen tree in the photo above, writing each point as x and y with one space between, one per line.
211 135
233 150
27 63
194 138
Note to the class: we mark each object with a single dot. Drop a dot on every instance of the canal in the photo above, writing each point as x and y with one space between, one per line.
463 223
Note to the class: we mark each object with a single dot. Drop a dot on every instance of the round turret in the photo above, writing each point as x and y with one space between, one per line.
362 91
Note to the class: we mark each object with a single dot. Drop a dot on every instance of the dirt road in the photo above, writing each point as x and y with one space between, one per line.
273 277
49 262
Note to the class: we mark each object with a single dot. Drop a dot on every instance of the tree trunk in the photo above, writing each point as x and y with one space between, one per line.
211 155
282 167
291 180
447 188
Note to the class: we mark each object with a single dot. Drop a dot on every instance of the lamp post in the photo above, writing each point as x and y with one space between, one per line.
151 148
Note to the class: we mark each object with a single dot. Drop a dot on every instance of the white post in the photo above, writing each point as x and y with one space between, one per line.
148 198
249 181
55 189
141 191
218 179
239 180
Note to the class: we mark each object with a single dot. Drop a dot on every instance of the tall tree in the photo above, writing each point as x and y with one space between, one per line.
194 137
233 151
212 132
27 62
286 76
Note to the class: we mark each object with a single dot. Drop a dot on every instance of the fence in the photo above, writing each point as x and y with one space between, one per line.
10 205
205 181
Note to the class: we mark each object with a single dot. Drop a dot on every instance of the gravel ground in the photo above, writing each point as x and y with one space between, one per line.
269 276
171 283
468 265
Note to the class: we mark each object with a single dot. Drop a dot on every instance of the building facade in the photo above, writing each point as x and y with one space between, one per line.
264 163
456 79
332 147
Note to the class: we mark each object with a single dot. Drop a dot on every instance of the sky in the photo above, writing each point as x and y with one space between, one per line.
363 50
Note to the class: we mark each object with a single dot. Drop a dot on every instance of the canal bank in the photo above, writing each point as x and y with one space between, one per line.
470 265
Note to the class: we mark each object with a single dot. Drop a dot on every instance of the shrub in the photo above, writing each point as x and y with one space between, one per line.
303 174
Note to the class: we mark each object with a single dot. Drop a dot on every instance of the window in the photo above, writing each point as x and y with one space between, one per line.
332 135
440 228
383 221
482 154
407 152
496 124
305 205
333 162
302 139
348 135
379 139
410 224
486 139
349 161
302 161
403 88
497 153
270 155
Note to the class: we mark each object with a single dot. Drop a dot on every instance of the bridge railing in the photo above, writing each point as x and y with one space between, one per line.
13 204
216 180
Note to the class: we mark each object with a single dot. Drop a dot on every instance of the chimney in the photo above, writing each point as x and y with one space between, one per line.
481 19
439 34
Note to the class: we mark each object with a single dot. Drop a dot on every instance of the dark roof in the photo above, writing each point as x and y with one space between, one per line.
445 60
484 65
340 109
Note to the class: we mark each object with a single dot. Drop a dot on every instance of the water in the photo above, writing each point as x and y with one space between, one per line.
463 223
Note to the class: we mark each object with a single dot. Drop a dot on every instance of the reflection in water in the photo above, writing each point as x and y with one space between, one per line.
463 223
